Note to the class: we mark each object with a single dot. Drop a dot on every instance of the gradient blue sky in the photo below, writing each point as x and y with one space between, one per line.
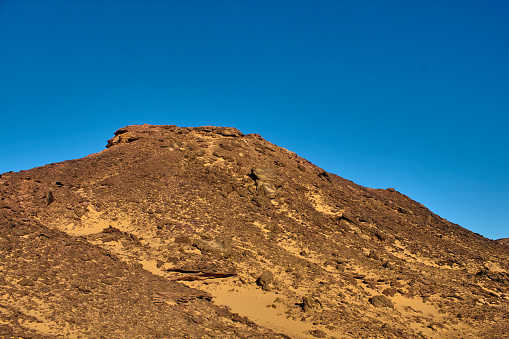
406 94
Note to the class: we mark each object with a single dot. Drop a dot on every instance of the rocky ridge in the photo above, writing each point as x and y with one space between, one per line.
205 232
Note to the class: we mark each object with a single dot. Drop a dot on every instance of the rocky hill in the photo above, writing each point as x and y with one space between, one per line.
205 232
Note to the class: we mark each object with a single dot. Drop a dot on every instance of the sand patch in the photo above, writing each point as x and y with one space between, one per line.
400 251
298 250
151 266
320 205
414 305
93 222
426 319
260 306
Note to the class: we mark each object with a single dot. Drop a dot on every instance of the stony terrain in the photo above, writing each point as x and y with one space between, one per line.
208 233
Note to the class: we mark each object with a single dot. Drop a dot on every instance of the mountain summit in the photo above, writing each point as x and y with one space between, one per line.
206 232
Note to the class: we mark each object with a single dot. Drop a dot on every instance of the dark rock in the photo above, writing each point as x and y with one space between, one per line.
381 301
265 280
326 176
390 291
309 303
404 211
26 282
380 237
318 334
49 198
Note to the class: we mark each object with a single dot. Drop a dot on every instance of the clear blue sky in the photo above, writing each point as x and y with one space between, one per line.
406 94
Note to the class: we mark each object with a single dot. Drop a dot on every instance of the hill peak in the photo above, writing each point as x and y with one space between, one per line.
134 132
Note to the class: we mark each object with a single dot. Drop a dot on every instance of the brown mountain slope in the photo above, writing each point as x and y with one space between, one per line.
503 241
206 232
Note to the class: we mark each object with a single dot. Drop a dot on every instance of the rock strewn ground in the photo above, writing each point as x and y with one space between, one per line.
108 235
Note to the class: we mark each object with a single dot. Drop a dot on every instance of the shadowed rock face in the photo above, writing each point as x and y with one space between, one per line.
168 232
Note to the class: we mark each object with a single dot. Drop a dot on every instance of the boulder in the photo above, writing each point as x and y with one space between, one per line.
123 137
266 174
318 334
381 301
494 267
219 246
266 181
49 198
265 280
268 189
309 303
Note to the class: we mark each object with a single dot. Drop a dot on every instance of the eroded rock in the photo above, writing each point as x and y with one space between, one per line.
310 303
381 301
49 198
122 138
266 181
265 280
219 246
